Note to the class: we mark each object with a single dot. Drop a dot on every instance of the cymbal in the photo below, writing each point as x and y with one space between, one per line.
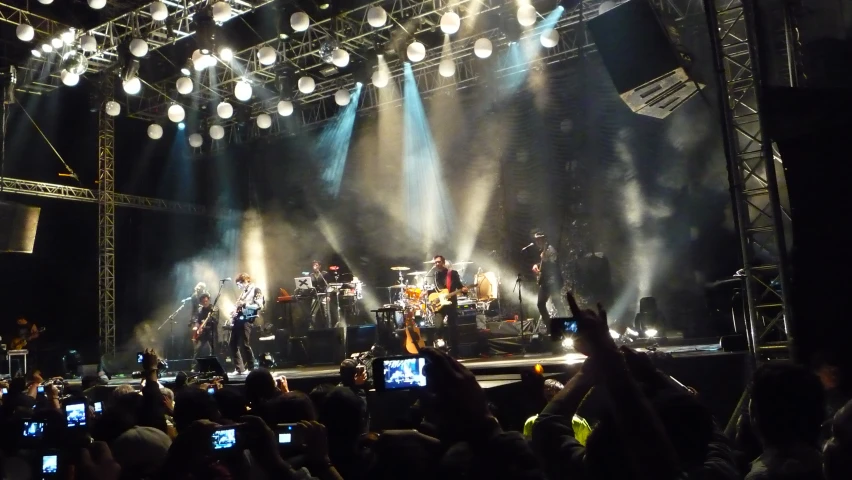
417 273
400 269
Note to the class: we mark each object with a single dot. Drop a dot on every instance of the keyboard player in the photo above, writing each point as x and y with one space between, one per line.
320 302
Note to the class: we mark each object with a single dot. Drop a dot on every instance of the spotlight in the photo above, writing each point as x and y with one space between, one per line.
186 69
36 53
651 332
630 332
57 43
181 126
130 71
46 47
359 84
614 334
567 342
324 5
205 31
226 54
67 36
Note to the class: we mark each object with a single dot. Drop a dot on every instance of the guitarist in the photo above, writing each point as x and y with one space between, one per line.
449 280
249 303
204 331
549 277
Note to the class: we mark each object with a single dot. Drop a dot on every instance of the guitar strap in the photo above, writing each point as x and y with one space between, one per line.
449 279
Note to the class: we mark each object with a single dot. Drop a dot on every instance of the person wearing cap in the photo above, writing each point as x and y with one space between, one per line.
549 275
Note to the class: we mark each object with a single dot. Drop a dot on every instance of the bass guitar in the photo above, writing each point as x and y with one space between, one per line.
200 329
413 341
245 313
440 299
20 343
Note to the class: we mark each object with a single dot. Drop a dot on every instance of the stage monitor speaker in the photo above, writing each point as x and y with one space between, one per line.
209 365
19 227
325 346
640 59
360 338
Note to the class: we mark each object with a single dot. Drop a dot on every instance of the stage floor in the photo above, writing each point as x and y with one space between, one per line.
499 369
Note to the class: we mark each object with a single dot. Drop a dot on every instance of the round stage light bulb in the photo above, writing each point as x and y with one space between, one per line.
264 121
549 38
226 54
307 85
380 79
25 32
242 90
57 43
605 7
526 15
138 47
416 51
340 57
67 37
159 11
112 108
285 108
196 140
450 23
266 55
377 17
482 48
221 11
217 132
88 43
300 21
176 113
196 56
224 110
68 78
97 4
45 2
36 52
46 47
132 86
447 67
155 132
342 97
184 85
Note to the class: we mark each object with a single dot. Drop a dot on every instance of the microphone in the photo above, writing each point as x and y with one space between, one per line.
225 279
528 246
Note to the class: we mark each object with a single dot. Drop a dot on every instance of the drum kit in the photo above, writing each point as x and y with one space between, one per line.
411 292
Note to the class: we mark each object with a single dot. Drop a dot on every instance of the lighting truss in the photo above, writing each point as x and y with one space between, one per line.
751 158
573 41
109 35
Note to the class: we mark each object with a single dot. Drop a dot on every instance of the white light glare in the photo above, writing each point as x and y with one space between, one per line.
57 43
46 47
226 54
631 332
567 342
651 332
614 334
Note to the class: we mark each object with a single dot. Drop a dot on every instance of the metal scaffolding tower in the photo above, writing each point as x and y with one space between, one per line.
106 232
751 160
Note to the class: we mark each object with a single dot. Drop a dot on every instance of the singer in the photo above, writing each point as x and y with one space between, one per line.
319 303
250 300
549 277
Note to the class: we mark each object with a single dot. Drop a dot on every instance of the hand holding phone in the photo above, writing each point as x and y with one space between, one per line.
50 465
75 415
287 433
225 439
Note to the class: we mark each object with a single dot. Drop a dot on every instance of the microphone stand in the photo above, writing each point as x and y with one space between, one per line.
215 332
519 287
172 333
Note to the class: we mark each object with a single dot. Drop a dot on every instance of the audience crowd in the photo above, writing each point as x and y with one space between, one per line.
619 417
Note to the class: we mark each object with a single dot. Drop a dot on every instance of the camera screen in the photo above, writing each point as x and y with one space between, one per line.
49 463
224 439
285 437
99 407
33 429
570 326
211 390
40 389
402 373
138 358
75 414
5 390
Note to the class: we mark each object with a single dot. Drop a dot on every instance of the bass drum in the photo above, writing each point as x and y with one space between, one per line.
486 286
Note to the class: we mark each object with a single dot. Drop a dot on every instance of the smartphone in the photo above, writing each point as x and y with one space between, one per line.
40 390
399 373
99 407
49 465
33 429
5 391
211 390
75 415
286 433
561 327
224 438
139 357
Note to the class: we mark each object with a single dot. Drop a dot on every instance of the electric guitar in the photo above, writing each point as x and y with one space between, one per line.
200 329
245 313
20 343
440 299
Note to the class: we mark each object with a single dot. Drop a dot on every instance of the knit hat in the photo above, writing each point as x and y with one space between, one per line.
142 450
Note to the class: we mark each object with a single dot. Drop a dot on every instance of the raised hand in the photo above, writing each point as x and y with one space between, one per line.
150 360
594 334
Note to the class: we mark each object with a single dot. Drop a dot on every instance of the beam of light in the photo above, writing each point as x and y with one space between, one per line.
333 144
526 51
252 248
425 191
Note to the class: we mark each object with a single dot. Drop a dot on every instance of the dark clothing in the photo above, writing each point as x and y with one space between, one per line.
208 335
319 312
549 282
240 337
319 281
547 291
448 314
